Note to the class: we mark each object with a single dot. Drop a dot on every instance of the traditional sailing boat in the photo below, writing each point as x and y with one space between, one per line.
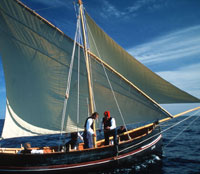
40 61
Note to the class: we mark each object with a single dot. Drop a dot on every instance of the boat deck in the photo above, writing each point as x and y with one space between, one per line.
129 136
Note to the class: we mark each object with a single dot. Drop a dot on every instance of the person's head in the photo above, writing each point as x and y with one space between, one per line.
122 127
74 135
27 146
95 115
107 114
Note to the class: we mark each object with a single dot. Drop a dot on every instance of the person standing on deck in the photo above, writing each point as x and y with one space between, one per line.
108 124
89 131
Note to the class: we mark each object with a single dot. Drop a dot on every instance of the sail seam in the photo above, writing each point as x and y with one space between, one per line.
23 43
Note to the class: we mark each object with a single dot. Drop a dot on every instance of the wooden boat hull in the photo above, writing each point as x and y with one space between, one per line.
128 152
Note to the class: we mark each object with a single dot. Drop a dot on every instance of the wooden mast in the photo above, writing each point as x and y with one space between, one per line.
91 106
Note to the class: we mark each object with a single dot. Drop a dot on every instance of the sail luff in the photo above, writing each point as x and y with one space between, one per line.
129 82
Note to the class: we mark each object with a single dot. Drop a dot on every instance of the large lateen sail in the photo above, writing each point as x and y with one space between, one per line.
153 85
36 59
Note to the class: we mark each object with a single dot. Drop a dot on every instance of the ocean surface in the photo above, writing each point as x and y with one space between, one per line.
181 149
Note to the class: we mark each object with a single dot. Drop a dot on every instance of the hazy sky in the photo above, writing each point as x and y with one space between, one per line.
162 34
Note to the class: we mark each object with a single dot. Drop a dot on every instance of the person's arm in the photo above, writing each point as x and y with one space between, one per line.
88 126
80 136
113 124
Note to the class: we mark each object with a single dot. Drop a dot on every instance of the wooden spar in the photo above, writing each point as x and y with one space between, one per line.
160 121
41 18
87 60
91 106
151 124
180 114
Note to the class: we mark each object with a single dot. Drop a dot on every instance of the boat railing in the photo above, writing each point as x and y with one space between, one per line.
10 150
132 134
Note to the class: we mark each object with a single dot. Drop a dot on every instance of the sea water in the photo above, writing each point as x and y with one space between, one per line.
180 156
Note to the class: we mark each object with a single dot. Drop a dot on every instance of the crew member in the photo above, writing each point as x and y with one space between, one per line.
108 124
89 130
73 143
120 131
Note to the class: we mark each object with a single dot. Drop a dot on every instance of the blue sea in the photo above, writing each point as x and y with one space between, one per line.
181 149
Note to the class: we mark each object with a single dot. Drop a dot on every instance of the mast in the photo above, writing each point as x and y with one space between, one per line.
91 106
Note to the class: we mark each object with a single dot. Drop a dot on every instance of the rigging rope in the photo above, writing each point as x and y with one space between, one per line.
80 41
78 90
108 79
69 81
160 132
75 10
182 131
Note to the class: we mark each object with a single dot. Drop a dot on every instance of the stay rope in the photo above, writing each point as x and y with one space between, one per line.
197 117
69 81
163 131
78 90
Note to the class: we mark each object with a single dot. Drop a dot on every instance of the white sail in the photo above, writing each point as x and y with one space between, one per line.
36 60
113 54
16 127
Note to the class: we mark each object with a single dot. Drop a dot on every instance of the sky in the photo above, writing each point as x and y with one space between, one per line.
164 35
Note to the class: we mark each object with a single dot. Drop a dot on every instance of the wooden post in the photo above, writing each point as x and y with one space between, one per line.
91 106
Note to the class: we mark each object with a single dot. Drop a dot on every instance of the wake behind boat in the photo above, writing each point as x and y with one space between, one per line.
53 83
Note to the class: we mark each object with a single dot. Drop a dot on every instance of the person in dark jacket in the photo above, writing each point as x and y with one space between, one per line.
89 131
27 148
120 131
73 143
108 124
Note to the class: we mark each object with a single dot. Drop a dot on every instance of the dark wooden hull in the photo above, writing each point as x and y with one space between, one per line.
128 152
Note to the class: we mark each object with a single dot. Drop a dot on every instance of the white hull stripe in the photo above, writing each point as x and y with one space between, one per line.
86 164
140 149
